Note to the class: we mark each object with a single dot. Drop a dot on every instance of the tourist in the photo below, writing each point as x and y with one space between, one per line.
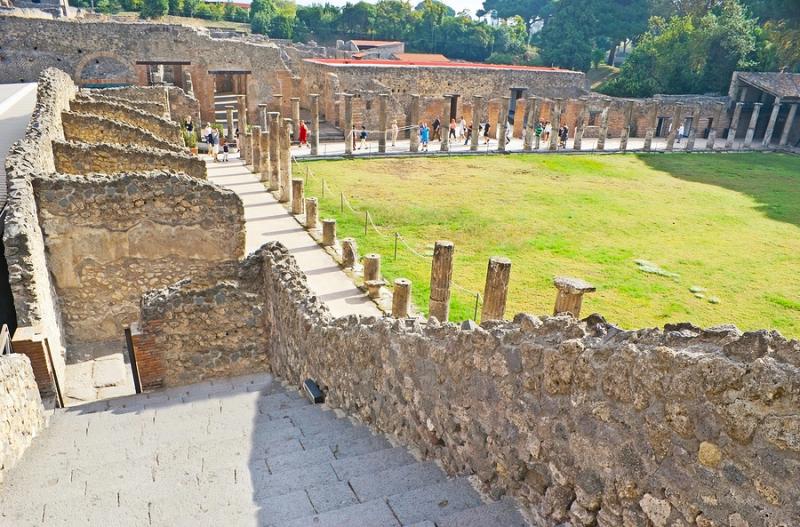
353 137
468 134
303 134
452 133
437 129
486 127
563 134
462 128
225 150
188 124
424 136
395 132
538 130
206 135
363 136
548 129
215 144
681 131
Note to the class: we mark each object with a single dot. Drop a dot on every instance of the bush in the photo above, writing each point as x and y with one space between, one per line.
154 8
260 23
189 139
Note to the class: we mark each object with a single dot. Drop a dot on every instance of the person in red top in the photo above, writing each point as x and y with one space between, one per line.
303 134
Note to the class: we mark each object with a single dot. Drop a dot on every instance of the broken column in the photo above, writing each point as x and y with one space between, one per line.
787 127
274 151
296 88
773 118
312 213
570 295
651 130
256 138
296 114
579 128
188 85
241 116
348 124
298 196
314 131
413 132
264 170
349 252
603 133
690 140
530 123
496 290
401 298
677 117
502 123
712 131
444 144
328 232
383 100
230 136
626 126
477 115
441 278
737 112
262 117
555 122
372 267
285 195
751 127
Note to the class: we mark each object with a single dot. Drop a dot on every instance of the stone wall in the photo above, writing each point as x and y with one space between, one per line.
156 107
21 412
111 238
83 158
585 423
89 128
165 129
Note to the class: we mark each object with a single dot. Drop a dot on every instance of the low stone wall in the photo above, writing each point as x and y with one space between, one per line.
89 128
585 423
21 412
181 104
157 107
162 128
83 158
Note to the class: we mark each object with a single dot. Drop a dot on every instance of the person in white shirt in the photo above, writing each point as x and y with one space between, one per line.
681 131
395 132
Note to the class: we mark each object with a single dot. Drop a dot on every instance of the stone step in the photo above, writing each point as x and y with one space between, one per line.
397 480
434 501
374 513
504 512
372 462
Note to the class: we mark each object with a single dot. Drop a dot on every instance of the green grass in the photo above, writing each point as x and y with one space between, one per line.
600 75
728 224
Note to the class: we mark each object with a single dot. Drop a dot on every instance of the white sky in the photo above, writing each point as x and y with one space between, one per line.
457 5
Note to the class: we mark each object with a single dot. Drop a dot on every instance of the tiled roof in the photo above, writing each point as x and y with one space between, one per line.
430 64
783 85
421 57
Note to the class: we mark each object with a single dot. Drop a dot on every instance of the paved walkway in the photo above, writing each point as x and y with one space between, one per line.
267 220
241 452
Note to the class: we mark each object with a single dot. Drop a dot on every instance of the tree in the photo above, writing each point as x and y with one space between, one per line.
393 19
190 7
357 19
529 10
260 23
262 6
175 7
567 40
281 26
618 20
154 8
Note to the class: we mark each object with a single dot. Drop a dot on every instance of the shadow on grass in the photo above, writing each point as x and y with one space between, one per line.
772 180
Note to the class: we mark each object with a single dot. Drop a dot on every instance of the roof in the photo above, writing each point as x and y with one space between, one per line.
429 64
421 57
375 43
783 85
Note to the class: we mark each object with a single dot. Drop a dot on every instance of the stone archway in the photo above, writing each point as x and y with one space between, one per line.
104 68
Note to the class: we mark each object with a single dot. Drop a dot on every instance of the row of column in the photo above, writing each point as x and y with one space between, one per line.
751 127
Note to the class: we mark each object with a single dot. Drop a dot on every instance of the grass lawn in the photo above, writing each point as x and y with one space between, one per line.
727 224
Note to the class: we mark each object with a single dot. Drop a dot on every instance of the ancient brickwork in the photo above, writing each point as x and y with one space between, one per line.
83 158
88 128
171 100
158 108
165 129
111 238
22 415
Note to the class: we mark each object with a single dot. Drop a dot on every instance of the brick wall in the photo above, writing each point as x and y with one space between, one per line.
34 345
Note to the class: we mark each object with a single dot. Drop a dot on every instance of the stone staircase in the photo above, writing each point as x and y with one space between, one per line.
244 452
220 113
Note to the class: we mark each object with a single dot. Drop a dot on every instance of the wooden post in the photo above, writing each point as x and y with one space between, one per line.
413 132
570 295
372 267
314 132
274 151
383 100
285 195
312 215
349 252
401 299
441 278
328 232
477 114
298 196
496 290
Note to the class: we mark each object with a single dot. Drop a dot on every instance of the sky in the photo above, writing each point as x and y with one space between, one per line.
457 5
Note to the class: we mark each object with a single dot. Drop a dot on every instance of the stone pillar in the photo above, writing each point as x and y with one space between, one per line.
555 122
570 295
578 141
626 127
296 113
413 132
477 114
693 129
737 113
229 118
787 127
278 102
256 138
312 213
274 151
712 131
372 267
502 123
314 132
773 118
532 111
349 252
188 85
401 298
496 289
298 196
286 163
651 131
266 167
383 100
441 277
241 116
328 232
444 144
677 117
348 123
296 88
603 133
262 117
751 128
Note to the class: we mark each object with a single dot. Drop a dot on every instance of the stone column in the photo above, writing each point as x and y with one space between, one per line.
349 252
676 124
477 114
532 112
737 113
502 123
603 134
372 267
626 127
241 116
274 151
401 298
314 132
348 123
787 127
441 277
256 137
328 232
229 119
693 129
265 168
278 102
773 118
651 131
296 88
296 113
496 289
555 122
383 100
188 85
751 128
298 196
444 144
312 213
578 141
413 132
262 117
570 295
712 131
286 163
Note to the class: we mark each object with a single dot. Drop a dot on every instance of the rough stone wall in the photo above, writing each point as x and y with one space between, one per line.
111 238
165 129
195 334
88 128
83 158
21 412
585 423
156 107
